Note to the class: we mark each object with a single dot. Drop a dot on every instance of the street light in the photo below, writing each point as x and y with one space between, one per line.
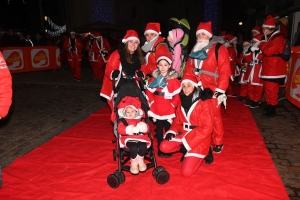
240 23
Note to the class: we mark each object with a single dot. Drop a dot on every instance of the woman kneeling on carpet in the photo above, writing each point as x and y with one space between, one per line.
191 130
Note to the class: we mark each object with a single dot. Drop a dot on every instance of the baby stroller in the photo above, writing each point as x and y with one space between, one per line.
159 173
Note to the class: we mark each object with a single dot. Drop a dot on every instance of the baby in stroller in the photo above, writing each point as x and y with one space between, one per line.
133 132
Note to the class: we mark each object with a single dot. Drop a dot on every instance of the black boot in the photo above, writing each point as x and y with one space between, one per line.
209 158
270 111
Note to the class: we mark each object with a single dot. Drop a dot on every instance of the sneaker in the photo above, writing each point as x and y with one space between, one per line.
218 148
210 157
254 104
231 95
248 102
241 99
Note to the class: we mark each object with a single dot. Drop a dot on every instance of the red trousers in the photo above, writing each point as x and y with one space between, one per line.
271 92
255 92
218 132
75 66
230 87
190 164
243 90
98 69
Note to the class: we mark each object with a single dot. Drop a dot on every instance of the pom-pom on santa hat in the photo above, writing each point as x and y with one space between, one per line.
163 55
230 38
130 35
152 27
269 22
97 34
204 27
256 29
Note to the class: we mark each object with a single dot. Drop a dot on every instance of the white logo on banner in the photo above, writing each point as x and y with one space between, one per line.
295 83
40 58
14 59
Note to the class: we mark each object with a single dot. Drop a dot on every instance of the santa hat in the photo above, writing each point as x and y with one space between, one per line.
246 42
258 37
152 27
92 34
230 38
130 35
189 79
256 29
223 34
164 55
269 22
132 102
97 34
72 32
204 27
275 16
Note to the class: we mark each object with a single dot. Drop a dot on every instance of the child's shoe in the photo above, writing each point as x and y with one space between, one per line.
134 169
142 165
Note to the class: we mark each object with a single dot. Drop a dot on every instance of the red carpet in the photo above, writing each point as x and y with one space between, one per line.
75 164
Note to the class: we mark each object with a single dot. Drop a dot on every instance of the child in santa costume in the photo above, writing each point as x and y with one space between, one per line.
254 86
163 95
191 130
175 37
133 132
243 61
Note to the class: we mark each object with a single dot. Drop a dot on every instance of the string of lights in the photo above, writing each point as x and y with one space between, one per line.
211 13
58 29
102 11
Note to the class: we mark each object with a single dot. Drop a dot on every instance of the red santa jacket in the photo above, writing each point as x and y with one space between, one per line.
78 47
244 60
233 59
150 56
99 46
88 48
163 101
112 64
218 74
255 70
197 141
5 87
273 67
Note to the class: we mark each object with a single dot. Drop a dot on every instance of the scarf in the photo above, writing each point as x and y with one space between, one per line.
148 45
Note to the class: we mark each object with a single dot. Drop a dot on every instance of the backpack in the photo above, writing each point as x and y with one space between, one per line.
286 55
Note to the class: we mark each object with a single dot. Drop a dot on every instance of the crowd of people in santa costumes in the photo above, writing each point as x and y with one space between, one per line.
5 95
187 110
73 46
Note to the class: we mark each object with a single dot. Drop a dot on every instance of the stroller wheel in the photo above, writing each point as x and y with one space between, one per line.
113 181
114 155
161 175
120 176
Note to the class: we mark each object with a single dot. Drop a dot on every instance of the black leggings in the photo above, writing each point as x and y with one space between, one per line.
160 126
136 148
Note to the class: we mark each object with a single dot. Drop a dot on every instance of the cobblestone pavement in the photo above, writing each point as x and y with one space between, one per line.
48 102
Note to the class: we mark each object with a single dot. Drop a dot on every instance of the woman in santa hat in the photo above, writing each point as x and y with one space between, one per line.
133 132
162 92
124 65
191 130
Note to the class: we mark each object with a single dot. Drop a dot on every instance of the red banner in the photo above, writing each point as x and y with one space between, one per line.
24 59
293 83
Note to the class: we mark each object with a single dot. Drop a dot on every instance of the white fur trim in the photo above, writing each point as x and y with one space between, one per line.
129 129
151 114
135 130
189 81
195 155
152 31
268 26
164 58
130 38
205 32
277 17
142 126
186 145
256 31
219 90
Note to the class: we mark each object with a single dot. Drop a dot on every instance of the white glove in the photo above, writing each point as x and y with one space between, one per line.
222 99
129 130
135 130
142 126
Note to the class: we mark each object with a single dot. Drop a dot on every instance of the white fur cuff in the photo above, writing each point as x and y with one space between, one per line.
129 129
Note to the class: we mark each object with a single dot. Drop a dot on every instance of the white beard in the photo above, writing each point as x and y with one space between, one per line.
200 45
255 44
226 44
245 49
